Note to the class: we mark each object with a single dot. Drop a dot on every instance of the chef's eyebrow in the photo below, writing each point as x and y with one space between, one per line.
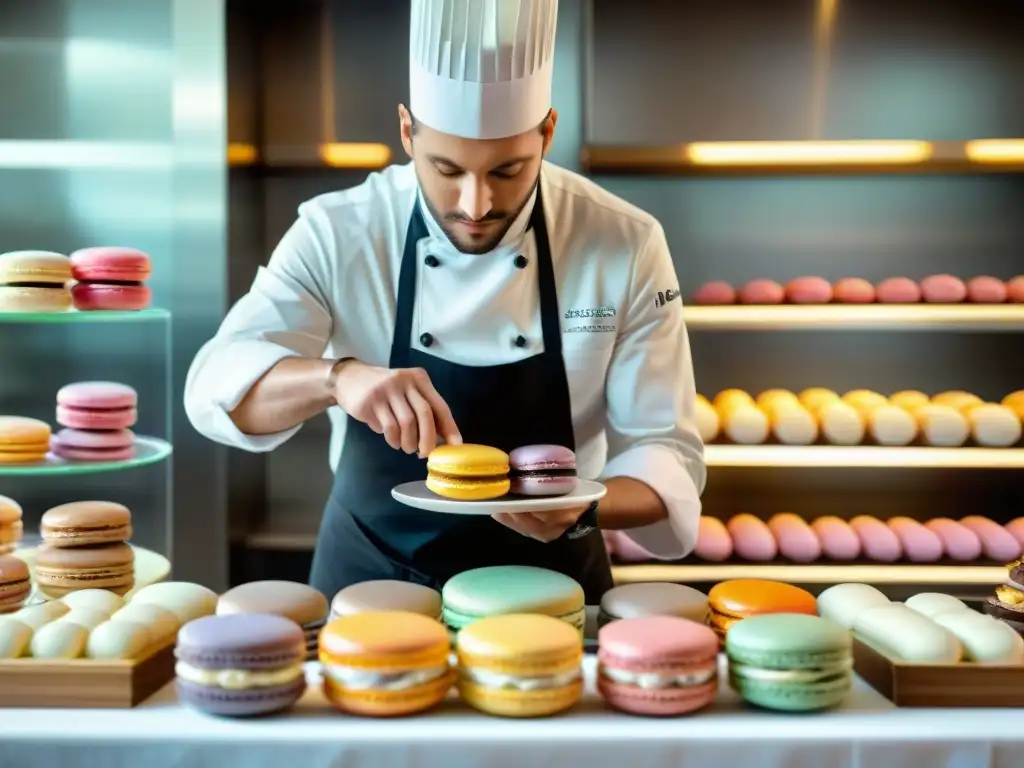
440 160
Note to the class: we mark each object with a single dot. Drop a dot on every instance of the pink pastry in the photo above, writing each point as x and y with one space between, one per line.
97 405
628 551
943 289
959 541
996 542
838 539
657 665
713 540
611 542
919 544
853 290
1016 529
877 540
898 290
809 290
762 291
986 290
110 278
751 538
795 537
1015 289
82 445
542 470
715 292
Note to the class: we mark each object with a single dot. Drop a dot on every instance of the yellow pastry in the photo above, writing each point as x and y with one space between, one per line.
841 424
942 425
708 423
468 472
956 398
728 397
772 397
744 423
865 401
993 425
910 400
813 398
892 425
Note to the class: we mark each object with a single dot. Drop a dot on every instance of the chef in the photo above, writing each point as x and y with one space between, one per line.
476 294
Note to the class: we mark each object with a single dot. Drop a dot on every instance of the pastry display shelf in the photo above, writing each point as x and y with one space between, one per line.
862 456
853 317
148 450
817 573
58 318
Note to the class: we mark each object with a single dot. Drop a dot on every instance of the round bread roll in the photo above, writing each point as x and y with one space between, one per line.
910 400
1015 289
762 291
996 542
751 538
891 425
161 623
97 599
877 540
993 426
36 616
715 292
919 544
958 541
809 290
943 289
795 538
185 599
770 397
118 639
957 398
986 290
898 290
838 540
15 637
1016 529
792 424
88 618
841 424
853 290
708 424
865 401
942 426
813 398
713 540
745 424
59 640
729 397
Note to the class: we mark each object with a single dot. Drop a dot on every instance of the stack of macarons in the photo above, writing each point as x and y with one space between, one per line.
85 547
96 416
1007 604
23 440
11 526
471 472
110 278
34 281
731 602
301 603
15 583
936 289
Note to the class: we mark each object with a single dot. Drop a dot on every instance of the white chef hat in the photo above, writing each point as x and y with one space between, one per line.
481 69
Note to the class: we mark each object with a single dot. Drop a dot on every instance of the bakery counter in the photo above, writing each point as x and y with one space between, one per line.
866 731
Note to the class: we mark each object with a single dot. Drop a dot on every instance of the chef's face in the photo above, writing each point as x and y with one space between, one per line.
475 188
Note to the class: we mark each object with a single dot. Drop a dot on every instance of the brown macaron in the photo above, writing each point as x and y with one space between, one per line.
10 525
86 523
15 583
63 570
301 603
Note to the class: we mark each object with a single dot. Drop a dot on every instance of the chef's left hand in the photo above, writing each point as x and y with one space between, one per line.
542 526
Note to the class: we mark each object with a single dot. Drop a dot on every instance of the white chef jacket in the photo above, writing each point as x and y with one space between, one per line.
330 290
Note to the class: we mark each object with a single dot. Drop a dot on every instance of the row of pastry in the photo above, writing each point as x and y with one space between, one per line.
948 419
934 289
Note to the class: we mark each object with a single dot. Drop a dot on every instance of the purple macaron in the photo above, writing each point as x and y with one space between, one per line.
542 470
241 664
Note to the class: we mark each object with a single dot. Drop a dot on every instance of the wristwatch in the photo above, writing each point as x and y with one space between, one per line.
585 523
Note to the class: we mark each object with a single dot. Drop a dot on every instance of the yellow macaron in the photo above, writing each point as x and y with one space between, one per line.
23 440
468 472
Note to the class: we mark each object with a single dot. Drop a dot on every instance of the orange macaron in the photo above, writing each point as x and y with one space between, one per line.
737 599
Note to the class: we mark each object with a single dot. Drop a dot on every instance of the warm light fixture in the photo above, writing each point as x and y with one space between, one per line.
355 155
1009 317
241 154
861 456
808 152
813 574
995 150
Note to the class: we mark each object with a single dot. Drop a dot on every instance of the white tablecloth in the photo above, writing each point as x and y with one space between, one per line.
868 732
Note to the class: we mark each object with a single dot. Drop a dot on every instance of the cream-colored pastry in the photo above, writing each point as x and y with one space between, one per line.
865 401
993 425
985 640
791 423
15 637
815 398
238 679
89 618
933 603
942 426
59 640
957 399
899 632
161 622
843 603
744 424
118 639
909 400
35 616
1015 402
96 599
727 398
186 600
892 425
841 424
772 397
708 424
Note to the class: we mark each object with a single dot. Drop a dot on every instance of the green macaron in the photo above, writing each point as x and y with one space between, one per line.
790 662
502 589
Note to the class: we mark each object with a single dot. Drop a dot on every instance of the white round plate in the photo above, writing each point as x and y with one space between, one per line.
417 495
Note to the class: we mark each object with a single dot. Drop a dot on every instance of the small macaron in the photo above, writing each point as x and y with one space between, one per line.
631 601
715 292
85 523
301 603
853 290
15 583
23 440
97 405
240 665
110 278
898 290
90 445
919 544
657 665
761 291
985 289
943 289
185 599
809 290
713 540
11 526
386 595
1015 289
61 570
958 541
838 540
34 281
796 539
468 472
877 540
997 544
736 599
752 539
542 470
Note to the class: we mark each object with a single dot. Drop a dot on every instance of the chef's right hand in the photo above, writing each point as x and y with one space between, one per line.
400 404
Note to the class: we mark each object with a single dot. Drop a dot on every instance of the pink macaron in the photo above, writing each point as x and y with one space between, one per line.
542 470
985 289
877 540
996 542
91 445
1015 289
943 289
853 290
713 540
958 541
657 665
838 540
110 278
919 544
796 539
762 291
1016 529
752 539
97 405
808 290
715 292
898 290
625 549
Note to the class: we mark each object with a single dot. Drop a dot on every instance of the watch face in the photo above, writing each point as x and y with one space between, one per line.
580 531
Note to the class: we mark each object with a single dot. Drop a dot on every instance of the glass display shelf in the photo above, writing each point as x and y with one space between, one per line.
148 450
58 318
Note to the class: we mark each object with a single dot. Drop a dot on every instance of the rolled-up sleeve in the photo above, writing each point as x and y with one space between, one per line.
652 433
286 313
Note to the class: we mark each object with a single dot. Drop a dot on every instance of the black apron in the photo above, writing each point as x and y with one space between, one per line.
365 534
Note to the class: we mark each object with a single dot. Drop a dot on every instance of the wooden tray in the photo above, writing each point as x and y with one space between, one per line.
940 685
84 683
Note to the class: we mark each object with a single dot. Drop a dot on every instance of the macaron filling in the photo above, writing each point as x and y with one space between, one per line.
464 480
834 673
658 680
508 682
455 620
238 679
360 679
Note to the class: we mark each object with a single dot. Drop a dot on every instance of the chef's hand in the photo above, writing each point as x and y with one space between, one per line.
399 403
542 526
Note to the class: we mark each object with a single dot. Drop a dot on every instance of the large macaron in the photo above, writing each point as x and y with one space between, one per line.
657 665
15 583
301 603
520 665
632 601
23 440
386 595
105 405
34 281
110 278
542 470
61 570
85 523
11 526
240 665
93 445
386 663
731 601
790 662
484 592
468 472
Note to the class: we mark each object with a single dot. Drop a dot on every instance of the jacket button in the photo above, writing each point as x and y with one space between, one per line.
520 341
520 262
426 339
431 261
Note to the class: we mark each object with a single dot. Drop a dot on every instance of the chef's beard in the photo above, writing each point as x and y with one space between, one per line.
447 222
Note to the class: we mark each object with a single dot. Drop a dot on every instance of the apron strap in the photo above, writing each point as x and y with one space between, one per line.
406 300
